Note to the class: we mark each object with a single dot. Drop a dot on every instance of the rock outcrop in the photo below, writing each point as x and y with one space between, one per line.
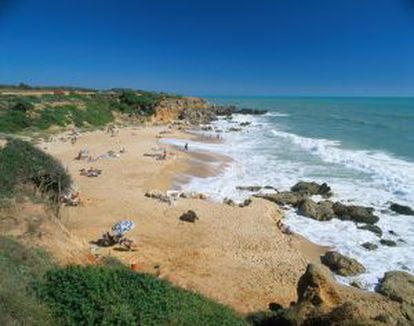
170 109
321 211
283 198
312 188
341 264
321 301
399 286
359 214
401 209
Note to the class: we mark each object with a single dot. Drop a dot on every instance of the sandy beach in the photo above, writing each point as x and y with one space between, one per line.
234 255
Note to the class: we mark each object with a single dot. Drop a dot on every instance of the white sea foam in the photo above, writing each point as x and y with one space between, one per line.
264 154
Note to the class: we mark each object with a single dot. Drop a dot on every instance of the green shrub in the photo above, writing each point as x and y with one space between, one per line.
22 163
60 116
23 106
108 296
21 267
13 121
143 103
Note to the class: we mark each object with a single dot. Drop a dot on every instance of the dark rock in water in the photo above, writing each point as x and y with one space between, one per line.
250 188
246 203
359 214
250 111
401 209
190 216
369 246
392 232
373 228
389 243
341 264
283 198
245 124
234 129
270 187
321 211
227 110
312 188
398 286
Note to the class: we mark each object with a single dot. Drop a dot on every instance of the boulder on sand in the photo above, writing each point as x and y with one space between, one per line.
341 264
283 198
401 209
321 211
190 216
359 214
398 286
312 188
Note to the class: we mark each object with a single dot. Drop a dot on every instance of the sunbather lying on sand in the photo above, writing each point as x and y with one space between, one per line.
71 199
91 172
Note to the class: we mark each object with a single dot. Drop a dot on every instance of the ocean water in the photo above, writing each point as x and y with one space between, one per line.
362 147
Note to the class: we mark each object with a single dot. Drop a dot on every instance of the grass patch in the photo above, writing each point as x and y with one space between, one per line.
20 268
118 296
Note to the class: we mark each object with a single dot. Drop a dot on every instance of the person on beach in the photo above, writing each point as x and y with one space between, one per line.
186 146
286 229
164 155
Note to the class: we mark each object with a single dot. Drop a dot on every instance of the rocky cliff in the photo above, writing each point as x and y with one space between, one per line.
169 110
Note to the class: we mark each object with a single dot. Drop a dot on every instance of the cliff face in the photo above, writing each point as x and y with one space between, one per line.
170 109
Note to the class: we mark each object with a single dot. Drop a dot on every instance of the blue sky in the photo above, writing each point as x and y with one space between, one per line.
261 47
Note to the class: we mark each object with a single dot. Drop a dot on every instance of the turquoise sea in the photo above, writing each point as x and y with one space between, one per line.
370 123
362 147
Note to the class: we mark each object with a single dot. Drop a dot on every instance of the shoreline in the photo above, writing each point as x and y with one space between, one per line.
234 255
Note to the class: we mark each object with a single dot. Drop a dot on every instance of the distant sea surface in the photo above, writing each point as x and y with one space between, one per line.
362 147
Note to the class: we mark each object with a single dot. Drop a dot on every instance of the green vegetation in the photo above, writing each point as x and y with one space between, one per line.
20 268
142 103
118 296
21 113
22 164
34 291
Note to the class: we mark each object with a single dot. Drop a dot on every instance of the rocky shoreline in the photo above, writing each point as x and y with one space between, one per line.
312 307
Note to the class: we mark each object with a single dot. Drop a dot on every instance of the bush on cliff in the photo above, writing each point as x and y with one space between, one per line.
142 103
119 296
21 163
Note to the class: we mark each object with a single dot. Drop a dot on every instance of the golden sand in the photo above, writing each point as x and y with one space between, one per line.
234 255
